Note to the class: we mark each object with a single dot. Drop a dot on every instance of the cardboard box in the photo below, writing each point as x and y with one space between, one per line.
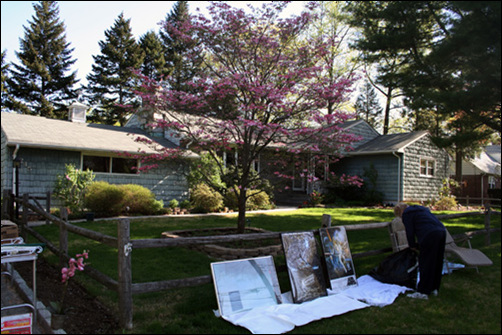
9 229
17 324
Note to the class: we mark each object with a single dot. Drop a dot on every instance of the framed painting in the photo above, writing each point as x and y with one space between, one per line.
244 284
304 266
337 258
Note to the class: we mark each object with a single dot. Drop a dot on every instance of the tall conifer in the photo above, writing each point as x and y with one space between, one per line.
154 63
112 81
182 56
5 69
40 84
367 105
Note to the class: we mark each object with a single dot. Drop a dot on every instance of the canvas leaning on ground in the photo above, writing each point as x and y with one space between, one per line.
304 266
244 284
337 258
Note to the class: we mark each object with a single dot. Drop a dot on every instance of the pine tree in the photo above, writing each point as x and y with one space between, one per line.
112 81
367 105
182 56
154 63
5 69
40 84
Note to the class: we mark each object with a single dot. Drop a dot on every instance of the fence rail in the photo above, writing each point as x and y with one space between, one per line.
124 285
467 200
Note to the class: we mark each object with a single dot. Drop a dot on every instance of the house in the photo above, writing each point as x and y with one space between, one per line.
44 146
480 175
410 166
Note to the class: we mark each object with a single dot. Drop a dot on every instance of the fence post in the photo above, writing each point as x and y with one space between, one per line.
6 204
48 205
63 237
488 214
124 274
24 218
326 220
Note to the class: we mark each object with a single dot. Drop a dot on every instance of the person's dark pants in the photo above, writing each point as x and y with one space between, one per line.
430 262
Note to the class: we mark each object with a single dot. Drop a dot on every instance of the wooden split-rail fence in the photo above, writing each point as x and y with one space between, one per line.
125 245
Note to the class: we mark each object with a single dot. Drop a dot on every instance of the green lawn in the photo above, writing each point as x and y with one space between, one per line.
468 302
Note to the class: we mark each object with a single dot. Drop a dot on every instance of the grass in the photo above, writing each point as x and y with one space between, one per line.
468 302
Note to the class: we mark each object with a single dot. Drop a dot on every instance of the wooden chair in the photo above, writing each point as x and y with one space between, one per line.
397 234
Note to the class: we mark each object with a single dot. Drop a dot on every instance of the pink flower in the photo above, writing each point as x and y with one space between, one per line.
65 276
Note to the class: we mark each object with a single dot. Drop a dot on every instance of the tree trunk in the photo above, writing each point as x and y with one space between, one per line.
241 219
387 112
459 156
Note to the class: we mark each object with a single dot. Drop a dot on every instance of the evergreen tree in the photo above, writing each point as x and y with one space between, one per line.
5 69
112 81
367 105
154 63
40 84
182 55
448 62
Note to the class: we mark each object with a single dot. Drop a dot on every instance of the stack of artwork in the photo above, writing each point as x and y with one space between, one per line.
244 284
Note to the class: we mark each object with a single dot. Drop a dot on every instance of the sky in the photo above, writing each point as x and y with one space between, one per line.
87 21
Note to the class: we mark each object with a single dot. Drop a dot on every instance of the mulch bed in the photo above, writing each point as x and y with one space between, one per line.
87 314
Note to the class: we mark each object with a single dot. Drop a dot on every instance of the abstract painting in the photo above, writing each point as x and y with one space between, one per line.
244 284
304 266
337 258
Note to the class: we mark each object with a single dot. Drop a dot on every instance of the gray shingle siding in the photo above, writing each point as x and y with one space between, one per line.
365 131
385 165
40 167
6 164
415 186
167 182
411 185
38 170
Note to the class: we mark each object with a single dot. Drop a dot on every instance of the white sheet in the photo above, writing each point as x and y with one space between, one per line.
284 317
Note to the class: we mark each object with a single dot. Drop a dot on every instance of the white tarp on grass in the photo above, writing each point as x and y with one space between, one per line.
284 317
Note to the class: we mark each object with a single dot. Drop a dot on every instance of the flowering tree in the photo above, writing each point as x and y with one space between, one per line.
263 88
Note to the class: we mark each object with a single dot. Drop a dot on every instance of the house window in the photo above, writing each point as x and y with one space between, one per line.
109 164
491 182
124 165
427 167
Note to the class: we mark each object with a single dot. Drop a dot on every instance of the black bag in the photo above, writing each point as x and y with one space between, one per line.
400 268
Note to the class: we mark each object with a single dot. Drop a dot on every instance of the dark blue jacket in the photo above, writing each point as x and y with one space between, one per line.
419 222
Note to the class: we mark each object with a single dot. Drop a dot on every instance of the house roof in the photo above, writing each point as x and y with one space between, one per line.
40 132
388 143
489 160
494 152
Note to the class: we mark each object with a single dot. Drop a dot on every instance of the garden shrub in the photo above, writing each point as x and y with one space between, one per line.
139 200
446 203
205 199
257 199
107 199
71 186
104 199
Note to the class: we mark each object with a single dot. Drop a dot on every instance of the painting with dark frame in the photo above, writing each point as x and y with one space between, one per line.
304 266
337 258
244 284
